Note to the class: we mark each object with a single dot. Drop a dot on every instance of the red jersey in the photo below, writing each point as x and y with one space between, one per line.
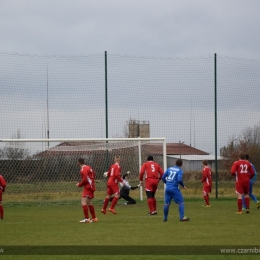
114 174
152 170
2 183
206 177
87 177
243 171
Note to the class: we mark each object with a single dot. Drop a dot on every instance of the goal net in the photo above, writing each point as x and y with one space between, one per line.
45 171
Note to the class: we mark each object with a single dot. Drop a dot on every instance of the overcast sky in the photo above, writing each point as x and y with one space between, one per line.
140 28
153 28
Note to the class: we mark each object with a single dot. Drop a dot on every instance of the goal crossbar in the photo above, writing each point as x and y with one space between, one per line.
84 139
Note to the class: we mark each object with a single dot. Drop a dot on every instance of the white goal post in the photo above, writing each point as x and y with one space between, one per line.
45 170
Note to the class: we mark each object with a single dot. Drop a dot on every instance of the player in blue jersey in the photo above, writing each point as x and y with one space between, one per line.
173 178
252 182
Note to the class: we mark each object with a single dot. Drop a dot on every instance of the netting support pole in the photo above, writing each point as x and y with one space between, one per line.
140 165
48 119
164 161
107 161
216 134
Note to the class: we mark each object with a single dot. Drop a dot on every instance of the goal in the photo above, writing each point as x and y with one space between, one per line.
45 171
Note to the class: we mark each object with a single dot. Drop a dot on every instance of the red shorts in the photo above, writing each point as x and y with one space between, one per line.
88 193
242 188
1 192
112 189
151 185
206 190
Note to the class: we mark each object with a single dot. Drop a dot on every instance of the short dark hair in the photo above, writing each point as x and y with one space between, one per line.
150 158
247 157
117 157
125 175
205 162
81 161
242 156
179 162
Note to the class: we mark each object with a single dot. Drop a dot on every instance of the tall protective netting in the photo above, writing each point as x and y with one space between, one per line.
238 110
48 176
205 107
52 97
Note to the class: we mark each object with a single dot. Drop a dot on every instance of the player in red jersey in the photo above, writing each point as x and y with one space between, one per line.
2 190
243 171
207 183
88 182
114 176
152 172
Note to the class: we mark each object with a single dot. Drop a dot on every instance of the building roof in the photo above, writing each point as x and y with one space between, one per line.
183 149
147 147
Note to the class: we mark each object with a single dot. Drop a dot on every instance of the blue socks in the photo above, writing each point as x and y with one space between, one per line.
181 210
165 211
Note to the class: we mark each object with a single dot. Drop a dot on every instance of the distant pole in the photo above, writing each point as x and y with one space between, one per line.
140 165
106 107
194 133
190 121
180 144
180 148
106 94
216 141
48 131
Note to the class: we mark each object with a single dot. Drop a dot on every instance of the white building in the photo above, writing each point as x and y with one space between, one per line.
194 162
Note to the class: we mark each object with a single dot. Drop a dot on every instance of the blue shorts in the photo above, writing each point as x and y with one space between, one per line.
173 194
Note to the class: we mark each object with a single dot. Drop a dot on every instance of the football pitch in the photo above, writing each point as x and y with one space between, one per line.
54 232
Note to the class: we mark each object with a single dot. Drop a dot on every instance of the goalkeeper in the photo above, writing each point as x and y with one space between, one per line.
125 191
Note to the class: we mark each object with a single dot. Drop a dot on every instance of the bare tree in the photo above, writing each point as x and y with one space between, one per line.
248 142
15 150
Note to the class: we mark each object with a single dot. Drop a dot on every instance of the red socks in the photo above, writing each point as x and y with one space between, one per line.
114 201
247 200
206 198
1 211
105 203
154 204
150 205
85 210
239 204
92 211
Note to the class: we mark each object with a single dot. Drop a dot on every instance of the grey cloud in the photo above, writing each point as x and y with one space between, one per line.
145 27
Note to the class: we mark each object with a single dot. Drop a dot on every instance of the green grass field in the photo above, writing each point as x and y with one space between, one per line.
58 226
45 193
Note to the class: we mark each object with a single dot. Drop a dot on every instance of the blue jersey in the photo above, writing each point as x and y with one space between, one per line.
173 177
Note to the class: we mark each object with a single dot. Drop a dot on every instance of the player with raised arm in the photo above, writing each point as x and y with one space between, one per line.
173 178
152 172
251 183
243 171
2 190
88 182
114 177
207 183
